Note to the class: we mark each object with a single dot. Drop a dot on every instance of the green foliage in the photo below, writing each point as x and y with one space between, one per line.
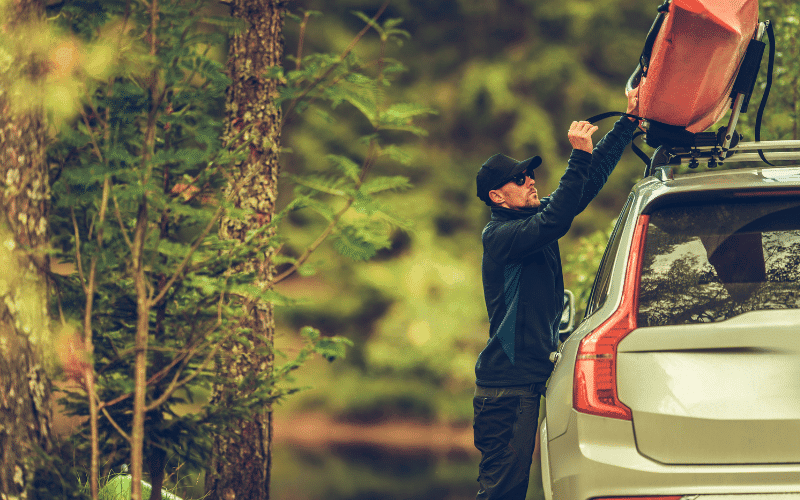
137 195
580 266
503 77
329 348
146 153
781 119
346 196
57 477
109 178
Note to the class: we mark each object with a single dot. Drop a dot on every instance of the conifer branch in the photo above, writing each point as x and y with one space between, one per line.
91 135
124 232
330 69
177 384
182 356
78 262
116 425
333 223
301 38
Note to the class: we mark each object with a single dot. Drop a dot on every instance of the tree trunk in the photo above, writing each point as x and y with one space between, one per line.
241 461
24 385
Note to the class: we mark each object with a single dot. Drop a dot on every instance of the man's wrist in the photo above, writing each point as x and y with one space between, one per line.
579 153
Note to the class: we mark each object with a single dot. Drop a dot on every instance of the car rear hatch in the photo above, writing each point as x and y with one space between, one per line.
712 371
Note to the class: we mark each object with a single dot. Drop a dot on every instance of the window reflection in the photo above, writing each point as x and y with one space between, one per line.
710 262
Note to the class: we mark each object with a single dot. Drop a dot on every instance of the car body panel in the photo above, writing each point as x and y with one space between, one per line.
756 386
601 459
726 388
545 459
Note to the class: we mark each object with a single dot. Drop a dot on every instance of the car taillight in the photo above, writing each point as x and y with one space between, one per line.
595 383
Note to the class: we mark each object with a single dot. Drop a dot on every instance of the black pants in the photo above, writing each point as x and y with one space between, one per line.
505 422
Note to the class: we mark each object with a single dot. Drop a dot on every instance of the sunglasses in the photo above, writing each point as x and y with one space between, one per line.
518 179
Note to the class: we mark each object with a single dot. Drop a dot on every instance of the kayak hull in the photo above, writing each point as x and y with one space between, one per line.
694 61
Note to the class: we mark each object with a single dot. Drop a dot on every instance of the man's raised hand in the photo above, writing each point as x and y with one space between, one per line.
580 135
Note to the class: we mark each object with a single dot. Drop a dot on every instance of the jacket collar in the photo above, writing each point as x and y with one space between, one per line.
505 214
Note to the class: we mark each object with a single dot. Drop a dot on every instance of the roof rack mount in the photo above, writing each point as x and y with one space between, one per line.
774 150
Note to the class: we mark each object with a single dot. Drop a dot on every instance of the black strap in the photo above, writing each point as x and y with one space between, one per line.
641 154
634 147
609 114
644 58
764 97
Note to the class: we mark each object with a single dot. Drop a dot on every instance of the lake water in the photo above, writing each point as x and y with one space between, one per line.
362 472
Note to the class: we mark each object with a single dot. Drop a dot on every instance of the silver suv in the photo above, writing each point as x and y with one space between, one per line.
683 379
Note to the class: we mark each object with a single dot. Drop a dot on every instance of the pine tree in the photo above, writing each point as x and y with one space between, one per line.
241 458
25 413
262 96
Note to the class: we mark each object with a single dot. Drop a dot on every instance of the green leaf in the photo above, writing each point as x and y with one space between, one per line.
270 295
400 117
368 20
309 269
321 208
283 259
379 184
350 244
333 348
310 333
397 153
361 92
320 184
233 25
406 111
346 165
205 284
169 248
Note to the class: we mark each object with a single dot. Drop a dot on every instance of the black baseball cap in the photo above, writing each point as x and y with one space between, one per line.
500 169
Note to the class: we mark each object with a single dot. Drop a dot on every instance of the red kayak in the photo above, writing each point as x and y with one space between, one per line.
694 61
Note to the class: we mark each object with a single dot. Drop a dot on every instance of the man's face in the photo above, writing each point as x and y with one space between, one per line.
518 193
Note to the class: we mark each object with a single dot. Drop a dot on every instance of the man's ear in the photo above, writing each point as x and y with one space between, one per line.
496 197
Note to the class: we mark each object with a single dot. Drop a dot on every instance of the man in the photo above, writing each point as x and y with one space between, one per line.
524 289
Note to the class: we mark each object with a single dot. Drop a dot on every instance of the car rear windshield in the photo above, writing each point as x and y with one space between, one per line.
713 261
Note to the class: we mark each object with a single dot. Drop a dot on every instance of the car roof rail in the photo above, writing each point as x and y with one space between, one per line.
772 150
664 173
715 156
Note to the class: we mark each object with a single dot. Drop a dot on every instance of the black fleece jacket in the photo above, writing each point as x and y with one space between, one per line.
522 277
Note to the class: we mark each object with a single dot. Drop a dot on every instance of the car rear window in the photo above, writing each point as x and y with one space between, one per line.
713 261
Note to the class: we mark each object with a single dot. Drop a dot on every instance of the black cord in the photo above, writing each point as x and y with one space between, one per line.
602 116
764 97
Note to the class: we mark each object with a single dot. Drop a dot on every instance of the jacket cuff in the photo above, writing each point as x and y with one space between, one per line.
579 155
626 124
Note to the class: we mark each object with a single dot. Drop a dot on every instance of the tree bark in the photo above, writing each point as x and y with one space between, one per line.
25 412
241 461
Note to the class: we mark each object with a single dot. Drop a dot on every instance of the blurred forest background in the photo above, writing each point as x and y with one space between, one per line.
504 76
392 418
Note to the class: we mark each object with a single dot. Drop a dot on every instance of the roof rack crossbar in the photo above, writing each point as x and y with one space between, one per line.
766 145
743 157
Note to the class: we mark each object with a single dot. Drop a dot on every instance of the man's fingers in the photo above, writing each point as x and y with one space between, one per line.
579 126
582 128
580 135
